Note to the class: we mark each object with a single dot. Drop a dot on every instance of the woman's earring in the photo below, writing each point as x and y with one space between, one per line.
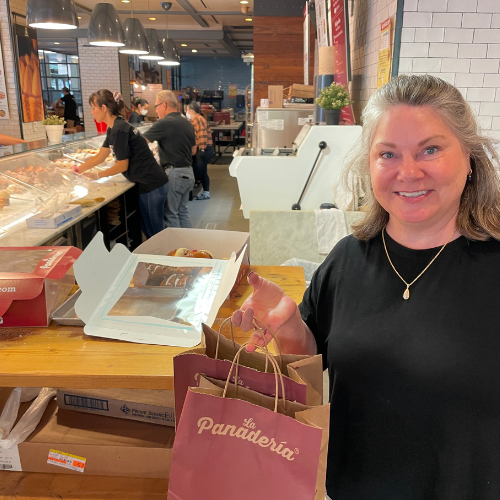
469 176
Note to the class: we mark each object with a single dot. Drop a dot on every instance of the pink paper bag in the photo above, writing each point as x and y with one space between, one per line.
228 449
303 384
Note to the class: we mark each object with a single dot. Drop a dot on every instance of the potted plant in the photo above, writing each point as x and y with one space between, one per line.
332 99
54 127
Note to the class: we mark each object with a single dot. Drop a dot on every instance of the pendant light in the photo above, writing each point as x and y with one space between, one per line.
155 48
105 27
171 56
136 42
51 14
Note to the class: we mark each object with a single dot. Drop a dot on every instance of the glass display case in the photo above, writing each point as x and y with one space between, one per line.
31 177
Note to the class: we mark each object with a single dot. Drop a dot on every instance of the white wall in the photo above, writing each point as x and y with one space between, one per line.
99 69
364 34
459 41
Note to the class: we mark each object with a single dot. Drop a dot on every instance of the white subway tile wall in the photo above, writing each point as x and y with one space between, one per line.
99 69
468 55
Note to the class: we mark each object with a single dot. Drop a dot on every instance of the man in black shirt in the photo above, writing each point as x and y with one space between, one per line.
70 113
176 146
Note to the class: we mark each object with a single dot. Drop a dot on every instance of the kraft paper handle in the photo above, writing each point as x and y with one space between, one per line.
257 327
277 372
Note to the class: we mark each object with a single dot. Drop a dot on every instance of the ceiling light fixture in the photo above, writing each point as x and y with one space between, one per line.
184 44
171 56
155 47
105 27
244 2
152 18
125 1
51 14
194 50
136 42
248 19
57 43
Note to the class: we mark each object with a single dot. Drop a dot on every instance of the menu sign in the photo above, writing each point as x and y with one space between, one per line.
340 53
384 54
321 23
4 105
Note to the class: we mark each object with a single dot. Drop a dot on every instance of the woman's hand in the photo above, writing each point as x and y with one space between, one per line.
269 304
92 175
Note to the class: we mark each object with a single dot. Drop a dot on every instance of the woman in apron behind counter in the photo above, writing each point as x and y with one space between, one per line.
134 160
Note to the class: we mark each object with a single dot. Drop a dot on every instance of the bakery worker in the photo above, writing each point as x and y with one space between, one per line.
70 107
134 160
176 146
139 111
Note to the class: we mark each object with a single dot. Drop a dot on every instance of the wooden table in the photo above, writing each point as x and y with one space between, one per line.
60 356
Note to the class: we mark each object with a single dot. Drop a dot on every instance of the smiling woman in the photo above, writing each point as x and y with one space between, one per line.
405 311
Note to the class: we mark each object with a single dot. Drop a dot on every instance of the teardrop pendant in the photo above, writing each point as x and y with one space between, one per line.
406 295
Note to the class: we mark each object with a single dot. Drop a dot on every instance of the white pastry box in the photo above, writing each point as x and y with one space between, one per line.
150 299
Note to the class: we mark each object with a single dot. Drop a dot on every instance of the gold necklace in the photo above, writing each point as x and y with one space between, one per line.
406 294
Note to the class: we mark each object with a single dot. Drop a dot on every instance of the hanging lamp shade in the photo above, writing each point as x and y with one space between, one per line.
171 57
51 14
135 38
105 27
155 47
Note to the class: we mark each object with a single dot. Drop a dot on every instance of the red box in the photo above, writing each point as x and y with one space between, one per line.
222 118
34 281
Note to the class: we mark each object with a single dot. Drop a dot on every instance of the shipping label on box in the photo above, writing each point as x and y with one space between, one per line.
38 221
154 407
150 299
275 96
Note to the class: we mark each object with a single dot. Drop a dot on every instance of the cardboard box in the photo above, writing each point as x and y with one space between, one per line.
150 298
34 281
275 96
220 243
151 406
56 220
299 90
68 442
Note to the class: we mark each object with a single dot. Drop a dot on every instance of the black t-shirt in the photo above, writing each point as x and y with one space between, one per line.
175 137
414 384
69 107
126 142
135 118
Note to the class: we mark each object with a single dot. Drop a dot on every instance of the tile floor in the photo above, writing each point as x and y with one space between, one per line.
222 210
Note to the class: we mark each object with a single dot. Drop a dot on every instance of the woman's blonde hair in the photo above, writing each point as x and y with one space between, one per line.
479 213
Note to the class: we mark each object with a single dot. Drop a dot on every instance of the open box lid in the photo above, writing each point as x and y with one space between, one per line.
147 312
24 269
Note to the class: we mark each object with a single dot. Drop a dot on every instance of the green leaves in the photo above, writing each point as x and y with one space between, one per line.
53 120
335 96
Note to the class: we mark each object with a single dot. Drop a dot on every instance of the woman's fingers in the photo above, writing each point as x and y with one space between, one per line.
243 319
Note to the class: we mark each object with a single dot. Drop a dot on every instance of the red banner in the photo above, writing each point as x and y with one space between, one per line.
340 54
